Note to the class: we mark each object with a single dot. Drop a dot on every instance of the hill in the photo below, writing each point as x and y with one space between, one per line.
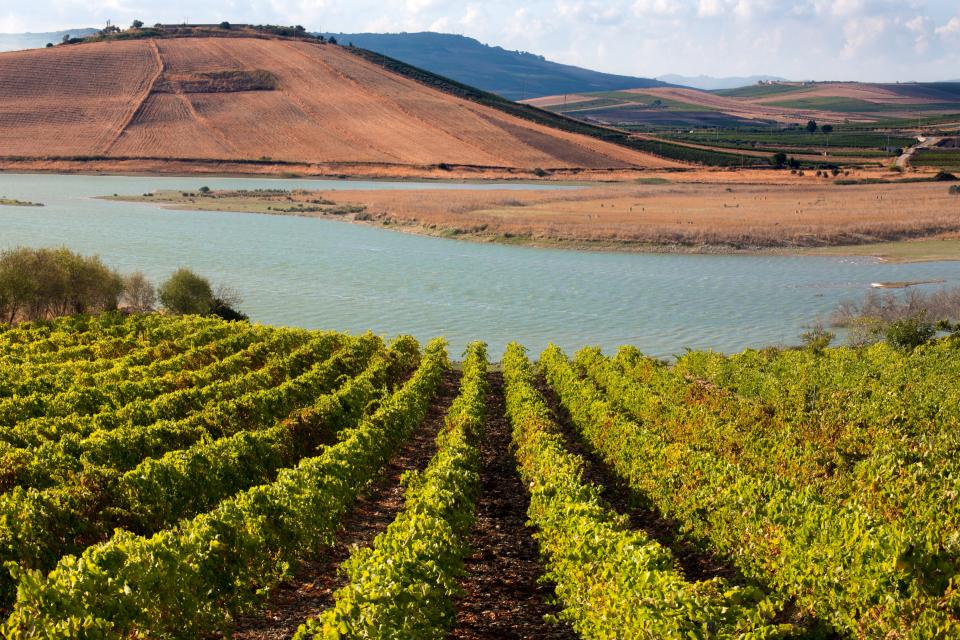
776 102
264 102
709 83
18 41
512 74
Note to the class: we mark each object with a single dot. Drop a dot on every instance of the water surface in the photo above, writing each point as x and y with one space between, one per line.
328 274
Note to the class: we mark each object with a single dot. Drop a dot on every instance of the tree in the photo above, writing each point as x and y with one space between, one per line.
332 40
49 44
186 293
137 24
37 284
779 159
139 293
224 25
812 126
65 39
827 128
793 163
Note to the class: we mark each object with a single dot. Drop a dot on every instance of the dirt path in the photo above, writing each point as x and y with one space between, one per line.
903 160
502 598
312 587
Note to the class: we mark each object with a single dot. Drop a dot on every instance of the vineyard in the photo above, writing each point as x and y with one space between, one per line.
188 477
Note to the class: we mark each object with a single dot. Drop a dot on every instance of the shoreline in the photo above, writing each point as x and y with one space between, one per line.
907 250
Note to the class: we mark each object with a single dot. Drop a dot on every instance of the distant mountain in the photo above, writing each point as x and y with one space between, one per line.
15 41
708 83
512 74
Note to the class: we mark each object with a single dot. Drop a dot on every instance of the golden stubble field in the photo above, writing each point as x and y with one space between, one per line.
130 105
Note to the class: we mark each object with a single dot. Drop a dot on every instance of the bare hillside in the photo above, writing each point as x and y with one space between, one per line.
253 100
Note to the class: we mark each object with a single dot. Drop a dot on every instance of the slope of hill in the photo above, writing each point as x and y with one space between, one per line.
709 83
783 102
512 74
258 100
18 41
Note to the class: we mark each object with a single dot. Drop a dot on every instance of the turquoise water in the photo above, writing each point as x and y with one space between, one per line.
329 274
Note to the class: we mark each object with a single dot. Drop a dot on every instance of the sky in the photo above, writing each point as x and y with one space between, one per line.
867 40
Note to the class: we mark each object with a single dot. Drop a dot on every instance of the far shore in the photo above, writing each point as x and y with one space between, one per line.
896 222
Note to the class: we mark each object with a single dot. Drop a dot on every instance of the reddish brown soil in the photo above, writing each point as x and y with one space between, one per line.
502 596
312 587
324 105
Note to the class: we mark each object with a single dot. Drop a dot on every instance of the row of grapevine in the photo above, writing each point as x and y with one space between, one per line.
611 581
248 401
190 579
88 396
52 375
38 527
109 336
199 368
403 586
878 429
793 541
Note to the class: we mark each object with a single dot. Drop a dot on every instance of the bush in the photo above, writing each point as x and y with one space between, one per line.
187 293
37 284
944 176
139 294
955 189
816 338
778 160
909 333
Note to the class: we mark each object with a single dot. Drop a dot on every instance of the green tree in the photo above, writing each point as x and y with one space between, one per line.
827 128
37 284
812 126
137 24
779 159
187 293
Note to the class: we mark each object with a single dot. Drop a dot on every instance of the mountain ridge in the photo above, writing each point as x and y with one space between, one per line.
515 75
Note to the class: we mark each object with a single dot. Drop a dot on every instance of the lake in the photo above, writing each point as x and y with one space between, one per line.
328 274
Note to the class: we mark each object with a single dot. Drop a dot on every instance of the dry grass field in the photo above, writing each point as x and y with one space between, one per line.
258 100
709 217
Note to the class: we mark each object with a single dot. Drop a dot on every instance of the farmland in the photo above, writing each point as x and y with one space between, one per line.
261 102
188 477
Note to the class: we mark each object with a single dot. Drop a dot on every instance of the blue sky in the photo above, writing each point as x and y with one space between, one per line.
875 40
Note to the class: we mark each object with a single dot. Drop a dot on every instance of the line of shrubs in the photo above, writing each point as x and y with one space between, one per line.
39 284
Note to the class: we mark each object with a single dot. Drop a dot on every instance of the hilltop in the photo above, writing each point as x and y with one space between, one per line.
244 101
512 74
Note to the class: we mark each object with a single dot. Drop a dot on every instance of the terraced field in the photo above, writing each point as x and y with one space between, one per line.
192 478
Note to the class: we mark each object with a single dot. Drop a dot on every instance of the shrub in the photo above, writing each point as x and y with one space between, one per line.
909 333
778 159
816 338
540 173
944 176
187 293
955 189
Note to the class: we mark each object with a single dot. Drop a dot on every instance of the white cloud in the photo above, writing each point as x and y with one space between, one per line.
950 28
803 39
